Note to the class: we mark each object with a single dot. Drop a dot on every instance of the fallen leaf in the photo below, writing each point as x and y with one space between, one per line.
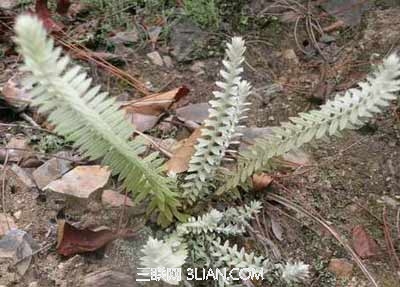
81 182
341 267
145 112
180 159
196 113
276 228
364 245
44 14
71 240
15 95
261 181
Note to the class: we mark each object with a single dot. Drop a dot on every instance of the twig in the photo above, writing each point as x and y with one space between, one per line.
34 253
389 242
3 189
322 222
156 145
42 154
29 120
29 127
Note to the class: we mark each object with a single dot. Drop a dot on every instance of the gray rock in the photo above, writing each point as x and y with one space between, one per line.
155 58
126 37
16 248
51 170
186 38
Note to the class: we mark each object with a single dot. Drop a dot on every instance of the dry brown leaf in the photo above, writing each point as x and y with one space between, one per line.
71 240
156 104
145 112
261 181
180 160
364 245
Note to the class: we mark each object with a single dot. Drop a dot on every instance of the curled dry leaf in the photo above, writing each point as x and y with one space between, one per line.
180 159
145 112
261 181
71 240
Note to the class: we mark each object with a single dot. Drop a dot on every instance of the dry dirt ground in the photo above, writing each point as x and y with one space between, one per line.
349 182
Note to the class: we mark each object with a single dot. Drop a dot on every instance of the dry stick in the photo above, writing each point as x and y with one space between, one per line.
42 154
84 53
398 223
34 253
299 209
29 127
3 190
156 145
389 242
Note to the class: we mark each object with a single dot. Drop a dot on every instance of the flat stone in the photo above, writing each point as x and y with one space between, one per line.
16 245
186 39
126 37
193 112
155 58
168 61
6 224
115 199
341 267
81 182
51 170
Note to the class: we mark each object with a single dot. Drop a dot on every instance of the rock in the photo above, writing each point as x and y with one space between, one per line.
341 267
364 245
16 247
115 199
155 58
198 67
348 11
6 224
64 270
81 182
106 278
125 37
51 170
290 55
186 38
20 152
168 61
33 284
298 157
20 179
17 214
193 112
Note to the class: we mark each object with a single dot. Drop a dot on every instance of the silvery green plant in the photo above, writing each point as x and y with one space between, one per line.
349 111
220 129
91 119
202 237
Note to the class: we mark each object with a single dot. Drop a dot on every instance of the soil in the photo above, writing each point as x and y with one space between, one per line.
349 182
